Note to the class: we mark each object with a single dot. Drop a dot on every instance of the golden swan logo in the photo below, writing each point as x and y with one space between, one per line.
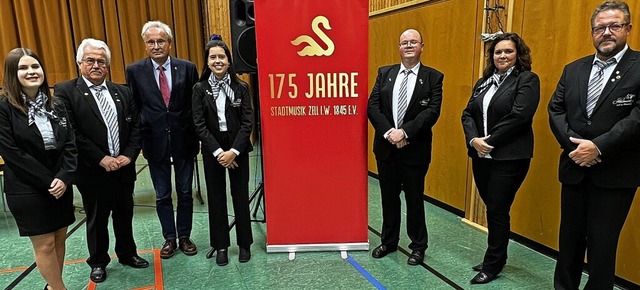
313 48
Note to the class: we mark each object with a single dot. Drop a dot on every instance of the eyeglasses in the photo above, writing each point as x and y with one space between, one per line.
152 43
91 62
615 27
409 43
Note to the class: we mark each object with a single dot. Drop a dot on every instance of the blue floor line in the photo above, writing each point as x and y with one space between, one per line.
366 274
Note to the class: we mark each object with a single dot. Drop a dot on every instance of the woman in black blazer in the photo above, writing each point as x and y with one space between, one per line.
38 147
497 127
223 119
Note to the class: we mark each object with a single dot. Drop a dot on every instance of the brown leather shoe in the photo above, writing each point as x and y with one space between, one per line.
188 247
168 249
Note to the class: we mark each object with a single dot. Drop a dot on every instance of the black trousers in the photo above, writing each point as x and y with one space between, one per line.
591 219
497 182
395 176
215 176
100 201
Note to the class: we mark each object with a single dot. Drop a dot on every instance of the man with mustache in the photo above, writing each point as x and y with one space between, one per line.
105 120
595 116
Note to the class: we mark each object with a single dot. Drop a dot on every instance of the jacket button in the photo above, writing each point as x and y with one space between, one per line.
589 123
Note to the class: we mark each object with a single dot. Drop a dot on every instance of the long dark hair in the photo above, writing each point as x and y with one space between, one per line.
13 88
523 54
206 72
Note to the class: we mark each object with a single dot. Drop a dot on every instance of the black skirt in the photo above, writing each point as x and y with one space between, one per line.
40 213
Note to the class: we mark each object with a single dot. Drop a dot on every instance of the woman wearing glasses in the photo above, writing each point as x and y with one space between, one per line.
499 137
223 119
38 147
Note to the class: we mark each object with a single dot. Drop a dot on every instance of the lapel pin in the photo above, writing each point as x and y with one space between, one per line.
420 81
86 94
618 77
389 79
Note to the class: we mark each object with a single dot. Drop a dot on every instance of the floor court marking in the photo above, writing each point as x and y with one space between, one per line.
366 274
28 270
432 270
157 269
158 279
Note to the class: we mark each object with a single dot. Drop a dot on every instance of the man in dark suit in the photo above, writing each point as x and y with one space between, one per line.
595 116
403 106
105 120
162 87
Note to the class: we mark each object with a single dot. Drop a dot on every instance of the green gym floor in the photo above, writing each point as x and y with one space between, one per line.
454 248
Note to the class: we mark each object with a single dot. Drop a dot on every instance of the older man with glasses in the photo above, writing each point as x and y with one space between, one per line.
162 87
105 120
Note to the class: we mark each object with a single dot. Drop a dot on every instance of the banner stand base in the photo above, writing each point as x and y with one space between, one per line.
318 247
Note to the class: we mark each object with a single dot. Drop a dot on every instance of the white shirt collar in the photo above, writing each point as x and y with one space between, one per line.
90 84
166 64
414 69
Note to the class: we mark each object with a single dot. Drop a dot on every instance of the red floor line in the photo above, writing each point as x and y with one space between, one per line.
69 262
3 271
92 285
158 269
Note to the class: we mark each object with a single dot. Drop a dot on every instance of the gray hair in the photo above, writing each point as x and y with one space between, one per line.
92 43
159 25
612 5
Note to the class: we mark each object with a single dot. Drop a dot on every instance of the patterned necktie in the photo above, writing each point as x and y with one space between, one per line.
596 84
223 84
111 119
402 97
37 107
164 86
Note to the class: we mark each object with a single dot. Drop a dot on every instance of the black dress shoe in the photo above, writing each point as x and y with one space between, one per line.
477 268
382 250
245 255
415 258
98 274
188 247
135 261
483 278
168 249
222 258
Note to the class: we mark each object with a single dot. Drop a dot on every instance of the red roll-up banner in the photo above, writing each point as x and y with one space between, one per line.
312 72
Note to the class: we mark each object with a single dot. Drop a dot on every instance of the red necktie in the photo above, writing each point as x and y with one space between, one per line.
164 86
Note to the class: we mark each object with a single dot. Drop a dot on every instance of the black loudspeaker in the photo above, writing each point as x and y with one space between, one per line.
243 35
